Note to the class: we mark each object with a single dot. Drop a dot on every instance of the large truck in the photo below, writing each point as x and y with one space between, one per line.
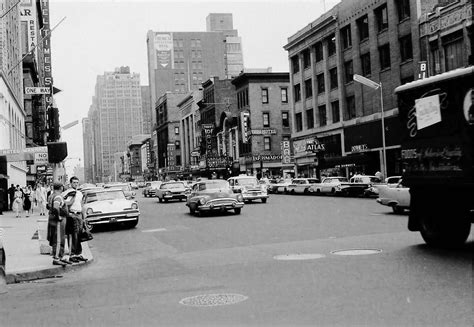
437 115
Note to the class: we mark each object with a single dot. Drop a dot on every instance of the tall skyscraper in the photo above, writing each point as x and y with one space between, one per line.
116 113
146 109
234 60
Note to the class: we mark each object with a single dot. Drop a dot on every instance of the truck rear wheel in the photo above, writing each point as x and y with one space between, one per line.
441 228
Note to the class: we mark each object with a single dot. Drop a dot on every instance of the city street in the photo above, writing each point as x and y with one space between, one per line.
139 276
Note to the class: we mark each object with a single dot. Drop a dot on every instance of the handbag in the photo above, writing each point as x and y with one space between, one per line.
85 234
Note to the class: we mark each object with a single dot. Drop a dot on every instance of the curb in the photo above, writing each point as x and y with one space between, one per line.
18 277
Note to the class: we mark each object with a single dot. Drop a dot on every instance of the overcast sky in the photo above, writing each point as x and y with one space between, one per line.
98 36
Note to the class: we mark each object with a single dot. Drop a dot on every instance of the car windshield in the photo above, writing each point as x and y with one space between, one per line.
246 181
171 186
339 179
299 181
104 196
213 185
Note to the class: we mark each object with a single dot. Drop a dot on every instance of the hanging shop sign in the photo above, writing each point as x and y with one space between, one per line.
214 162
208 129
285 152
245 126
359 148
267 157
267 131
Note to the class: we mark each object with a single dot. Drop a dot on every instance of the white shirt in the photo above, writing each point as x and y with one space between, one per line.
77 204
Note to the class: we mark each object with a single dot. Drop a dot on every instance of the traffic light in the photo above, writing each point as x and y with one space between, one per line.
53 124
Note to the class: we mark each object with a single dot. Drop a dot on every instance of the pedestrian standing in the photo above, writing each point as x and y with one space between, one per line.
27 200
75 211
18 201
11 194
41 198
57 225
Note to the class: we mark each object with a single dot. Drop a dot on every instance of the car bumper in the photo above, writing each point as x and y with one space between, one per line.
174 196
385 201
221 206
250 196
111 218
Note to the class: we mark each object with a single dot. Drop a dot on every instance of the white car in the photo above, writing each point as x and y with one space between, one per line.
172 191
109 206
397 197
150 188
301 185
249 187
329 185
280 186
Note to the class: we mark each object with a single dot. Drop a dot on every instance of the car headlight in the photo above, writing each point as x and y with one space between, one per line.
134 206
240 198
202 201
89 211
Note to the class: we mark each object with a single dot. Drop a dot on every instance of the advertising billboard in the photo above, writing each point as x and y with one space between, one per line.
164 50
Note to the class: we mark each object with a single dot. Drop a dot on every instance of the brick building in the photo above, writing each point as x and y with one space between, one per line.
263 102
377 39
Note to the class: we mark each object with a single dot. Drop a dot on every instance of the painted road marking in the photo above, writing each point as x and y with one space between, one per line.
154 230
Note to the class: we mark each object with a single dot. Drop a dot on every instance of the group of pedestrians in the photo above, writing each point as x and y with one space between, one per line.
65 223
27 198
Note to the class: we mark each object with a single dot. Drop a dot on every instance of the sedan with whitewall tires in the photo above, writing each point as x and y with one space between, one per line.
214 195
109 206
249 187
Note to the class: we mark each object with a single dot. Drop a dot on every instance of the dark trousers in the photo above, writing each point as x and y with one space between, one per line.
59 239
76 247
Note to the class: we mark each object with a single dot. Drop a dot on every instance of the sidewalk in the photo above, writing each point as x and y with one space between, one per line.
22 249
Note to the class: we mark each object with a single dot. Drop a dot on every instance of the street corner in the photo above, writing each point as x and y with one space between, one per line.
35 273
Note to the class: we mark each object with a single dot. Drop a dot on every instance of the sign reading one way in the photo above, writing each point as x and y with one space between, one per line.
37 90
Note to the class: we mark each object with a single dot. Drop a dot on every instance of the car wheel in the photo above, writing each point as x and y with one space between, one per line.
264 200
160 199
292 192
397 209
306 191
192 211
318 191
237 211
89 226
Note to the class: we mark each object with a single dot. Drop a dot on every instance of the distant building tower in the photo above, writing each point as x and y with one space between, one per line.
146 109
233 51
117 116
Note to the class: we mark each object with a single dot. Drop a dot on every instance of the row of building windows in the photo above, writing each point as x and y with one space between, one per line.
322 116
285 121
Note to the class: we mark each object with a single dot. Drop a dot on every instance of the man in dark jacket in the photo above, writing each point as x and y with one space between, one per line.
11 193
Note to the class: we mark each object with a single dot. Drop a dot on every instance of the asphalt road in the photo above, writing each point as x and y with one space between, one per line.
150 274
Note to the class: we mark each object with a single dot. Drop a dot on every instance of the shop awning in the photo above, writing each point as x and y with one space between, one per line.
353 159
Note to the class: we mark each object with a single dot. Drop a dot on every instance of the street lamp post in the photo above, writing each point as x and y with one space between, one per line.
373 85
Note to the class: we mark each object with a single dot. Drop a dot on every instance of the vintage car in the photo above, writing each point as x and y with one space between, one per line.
249 187
329 185
391 181
125 187
172 191
397 197
150 188
280 186
109 206
301 185
214 194
359 185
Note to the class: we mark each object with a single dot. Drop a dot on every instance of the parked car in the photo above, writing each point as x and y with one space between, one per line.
150 188
329 185
391 181
212 195
301 185
249 187
280 186
109 206
359 185
172 191
125 187
397 197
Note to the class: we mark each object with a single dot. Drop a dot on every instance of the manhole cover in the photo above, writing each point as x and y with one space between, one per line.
356 252
210 300
303 256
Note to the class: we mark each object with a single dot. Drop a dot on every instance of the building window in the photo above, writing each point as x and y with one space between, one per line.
350 107
295 64
335 111
381 16
453 51
322 115
348 71
297 92
384 55
267 143
320 83
306 59
284 94
318 49
177 144
365 63
331 41
285 120
406 50
403 9
333 78
265 95
299 122
266 119
176 130
346 37
435 58
309 119
363 27
308 88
